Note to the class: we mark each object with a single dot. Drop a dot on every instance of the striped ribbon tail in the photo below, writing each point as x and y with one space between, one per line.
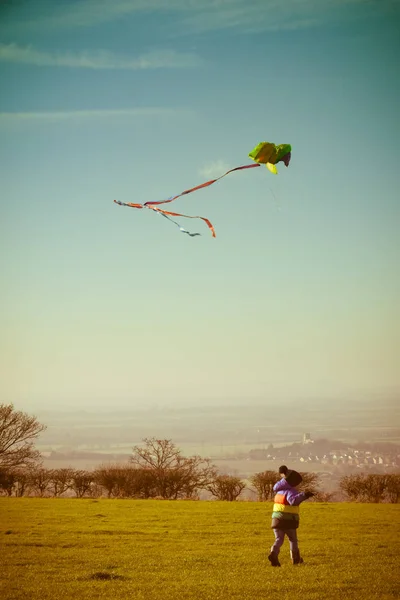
201 186
130 204
177 224
168 214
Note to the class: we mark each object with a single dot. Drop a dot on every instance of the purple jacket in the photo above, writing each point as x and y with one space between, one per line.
285 513
292 496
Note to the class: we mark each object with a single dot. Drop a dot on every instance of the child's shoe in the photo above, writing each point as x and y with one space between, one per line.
273 559
296 558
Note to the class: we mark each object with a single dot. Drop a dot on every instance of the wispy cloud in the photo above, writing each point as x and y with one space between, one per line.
214 169
195 15
68 115
101 59
274 15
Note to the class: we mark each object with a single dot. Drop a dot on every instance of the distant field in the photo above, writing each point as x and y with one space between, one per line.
54 549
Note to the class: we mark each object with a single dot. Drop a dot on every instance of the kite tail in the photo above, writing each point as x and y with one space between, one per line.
201 186
167 214
178 225
130 204
154 205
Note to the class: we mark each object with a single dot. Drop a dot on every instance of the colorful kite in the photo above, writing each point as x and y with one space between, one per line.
264 153
268 154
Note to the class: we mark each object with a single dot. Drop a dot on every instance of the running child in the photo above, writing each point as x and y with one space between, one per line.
285 516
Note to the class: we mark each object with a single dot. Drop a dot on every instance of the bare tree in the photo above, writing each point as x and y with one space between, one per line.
157 455
22 478
374 487
7 481
60 481
226 487
175 476
393 488
186 477
350 486
17 432
264 483
14 481
366 488
39 481
81 482
104 476
143 484
113 478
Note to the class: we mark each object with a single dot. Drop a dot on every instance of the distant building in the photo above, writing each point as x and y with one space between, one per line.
307 438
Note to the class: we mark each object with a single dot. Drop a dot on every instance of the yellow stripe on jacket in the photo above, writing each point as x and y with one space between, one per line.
286 508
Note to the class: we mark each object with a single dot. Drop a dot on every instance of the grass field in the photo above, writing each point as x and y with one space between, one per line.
53 549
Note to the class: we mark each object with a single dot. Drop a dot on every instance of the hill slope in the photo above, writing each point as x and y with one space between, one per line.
148 550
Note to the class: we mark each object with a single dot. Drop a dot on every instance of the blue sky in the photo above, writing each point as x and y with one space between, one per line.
138 100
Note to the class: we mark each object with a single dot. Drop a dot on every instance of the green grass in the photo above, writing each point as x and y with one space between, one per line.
52 549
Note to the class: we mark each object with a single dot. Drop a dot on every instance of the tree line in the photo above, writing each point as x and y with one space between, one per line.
372 487
157 469
176 481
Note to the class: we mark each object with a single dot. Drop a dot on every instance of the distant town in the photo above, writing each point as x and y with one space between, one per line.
330 452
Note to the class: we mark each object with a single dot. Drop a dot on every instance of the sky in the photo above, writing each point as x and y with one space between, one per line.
298 295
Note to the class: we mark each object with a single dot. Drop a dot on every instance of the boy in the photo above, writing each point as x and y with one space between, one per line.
285 516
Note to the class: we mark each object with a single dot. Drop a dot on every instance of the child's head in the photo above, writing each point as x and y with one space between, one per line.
283 470
293 478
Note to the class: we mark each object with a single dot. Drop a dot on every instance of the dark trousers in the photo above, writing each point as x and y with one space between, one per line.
280 538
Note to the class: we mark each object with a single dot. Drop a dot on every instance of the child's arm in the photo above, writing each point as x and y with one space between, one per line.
295 498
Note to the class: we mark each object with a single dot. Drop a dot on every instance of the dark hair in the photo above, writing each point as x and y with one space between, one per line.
283 470
293 478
